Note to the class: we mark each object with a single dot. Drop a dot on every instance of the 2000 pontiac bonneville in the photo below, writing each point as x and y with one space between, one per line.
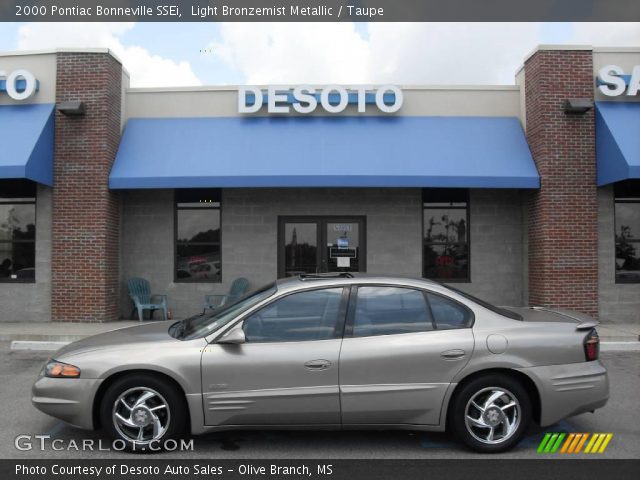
334 351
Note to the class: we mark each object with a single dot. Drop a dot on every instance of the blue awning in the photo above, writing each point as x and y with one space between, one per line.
26 142
617 141
324 151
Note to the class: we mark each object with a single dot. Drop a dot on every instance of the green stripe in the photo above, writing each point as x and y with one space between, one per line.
558 442
543 442
547 449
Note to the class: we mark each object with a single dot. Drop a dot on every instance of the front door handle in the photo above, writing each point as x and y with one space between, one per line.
319 364
453 354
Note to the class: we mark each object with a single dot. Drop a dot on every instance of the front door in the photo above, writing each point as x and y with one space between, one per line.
321 244
286 373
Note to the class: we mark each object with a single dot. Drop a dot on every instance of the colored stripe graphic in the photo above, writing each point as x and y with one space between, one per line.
574 442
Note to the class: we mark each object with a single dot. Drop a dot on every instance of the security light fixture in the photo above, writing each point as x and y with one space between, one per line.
73 108
578 106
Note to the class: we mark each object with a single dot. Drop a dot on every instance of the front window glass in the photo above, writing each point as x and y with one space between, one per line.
17 231
198 245
627 234
304 316
205 324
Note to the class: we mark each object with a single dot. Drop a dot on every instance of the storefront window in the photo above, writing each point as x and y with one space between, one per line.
198 256
627 219
17 231
445 254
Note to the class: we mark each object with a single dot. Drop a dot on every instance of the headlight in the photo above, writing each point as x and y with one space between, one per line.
56 369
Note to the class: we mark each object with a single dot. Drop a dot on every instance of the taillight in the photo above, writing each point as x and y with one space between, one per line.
591 346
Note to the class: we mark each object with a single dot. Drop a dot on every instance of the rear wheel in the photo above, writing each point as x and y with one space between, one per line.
491 414
143 411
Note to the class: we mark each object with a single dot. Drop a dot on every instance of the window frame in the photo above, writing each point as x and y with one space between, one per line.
621 196
424 242
339 330
217 192
353 300
24 200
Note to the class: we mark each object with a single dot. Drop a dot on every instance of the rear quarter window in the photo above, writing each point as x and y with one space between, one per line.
448 314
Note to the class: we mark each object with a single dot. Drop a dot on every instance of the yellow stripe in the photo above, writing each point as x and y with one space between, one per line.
596 446
605 443
584 439
575 442
593 440
567 442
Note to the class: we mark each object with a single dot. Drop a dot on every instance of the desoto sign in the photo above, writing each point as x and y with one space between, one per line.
306 99
613 82
19 84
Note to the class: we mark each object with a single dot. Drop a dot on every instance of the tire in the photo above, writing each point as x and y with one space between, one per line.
508 423
146 403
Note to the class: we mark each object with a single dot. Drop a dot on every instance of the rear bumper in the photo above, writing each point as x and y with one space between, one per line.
571 389
69 399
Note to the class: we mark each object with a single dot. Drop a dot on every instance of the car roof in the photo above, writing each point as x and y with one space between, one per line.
308 280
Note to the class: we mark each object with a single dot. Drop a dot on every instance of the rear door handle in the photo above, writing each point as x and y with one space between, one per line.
319 364
453 354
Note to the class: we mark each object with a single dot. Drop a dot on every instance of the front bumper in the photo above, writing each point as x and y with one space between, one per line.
69 399
571 389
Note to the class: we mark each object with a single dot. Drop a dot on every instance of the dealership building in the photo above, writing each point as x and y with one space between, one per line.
527 194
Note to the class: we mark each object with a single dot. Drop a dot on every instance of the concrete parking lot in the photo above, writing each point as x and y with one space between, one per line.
18 416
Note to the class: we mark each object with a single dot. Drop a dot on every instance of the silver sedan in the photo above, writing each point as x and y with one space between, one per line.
334 351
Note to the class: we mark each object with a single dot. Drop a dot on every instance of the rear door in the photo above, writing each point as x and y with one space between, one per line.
396 363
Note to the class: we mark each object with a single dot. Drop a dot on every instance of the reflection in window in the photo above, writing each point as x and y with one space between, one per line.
17 231
198 256
627 225
446 234
301 248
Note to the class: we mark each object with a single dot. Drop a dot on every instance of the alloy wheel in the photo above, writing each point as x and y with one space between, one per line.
141 415
492 415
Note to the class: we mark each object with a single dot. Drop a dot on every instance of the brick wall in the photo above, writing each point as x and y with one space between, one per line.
562 215
85 233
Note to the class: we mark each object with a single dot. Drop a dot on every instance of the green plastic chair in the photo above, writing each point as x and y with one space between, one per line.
143 299
239 287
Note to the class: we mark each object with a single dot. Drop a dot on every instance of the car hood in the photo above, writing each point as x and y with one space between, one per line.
121 338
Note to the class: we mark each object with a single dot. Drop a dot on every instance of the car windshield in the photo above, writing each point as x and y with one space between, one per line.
204 324
499 310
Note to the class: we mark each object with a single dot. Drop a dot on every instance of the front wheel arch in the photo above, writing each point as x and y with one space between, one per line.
523 379
95 410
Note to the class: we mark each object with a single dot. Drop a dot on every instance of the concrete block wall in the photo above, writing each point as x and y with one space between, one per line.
31 302
619 303
497 247
249 238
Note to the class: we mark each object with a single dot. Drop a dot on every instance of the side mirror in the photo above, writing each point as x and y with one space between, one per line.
234 336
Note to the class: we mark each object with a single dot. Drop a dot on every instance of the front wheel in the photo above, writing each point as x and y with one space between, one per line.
491 414
143 411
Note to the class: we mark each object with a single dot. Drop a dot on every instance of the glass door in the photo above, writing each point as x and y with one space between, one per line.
343 252
320 245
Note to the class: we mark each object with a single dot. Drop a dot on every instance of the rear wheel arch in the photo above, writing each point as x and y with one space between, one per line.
527 383
110 380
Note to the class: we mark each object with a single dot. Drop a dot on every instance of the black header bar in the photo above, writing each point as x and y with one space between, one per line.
319 10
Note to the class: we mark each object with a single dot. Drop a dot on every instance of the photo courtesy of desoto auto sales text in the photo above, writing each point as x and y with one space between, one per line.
319 239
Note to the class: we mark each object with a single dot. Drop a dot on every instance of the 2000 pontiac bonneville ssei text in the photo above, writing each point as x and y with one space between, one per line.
334 351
